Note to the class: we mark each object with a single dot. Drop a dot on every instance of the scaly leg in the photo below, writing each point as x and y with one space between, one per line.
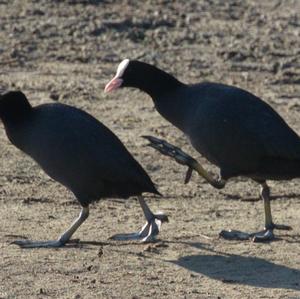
150 230
267 233
62 240
183 158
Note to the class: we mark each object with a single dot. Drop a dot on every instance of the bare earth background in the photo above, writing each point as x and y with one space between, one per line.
66 51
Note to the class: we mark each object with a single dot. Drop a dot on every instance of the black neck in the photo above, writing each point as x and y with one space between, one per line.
152 80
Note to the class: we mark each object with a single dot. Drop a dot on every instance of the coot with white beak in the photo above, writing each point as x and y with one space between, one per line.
231 127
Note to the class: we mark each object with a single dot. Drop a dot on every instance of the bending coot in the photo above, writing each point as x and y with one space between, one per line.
231 127
78 151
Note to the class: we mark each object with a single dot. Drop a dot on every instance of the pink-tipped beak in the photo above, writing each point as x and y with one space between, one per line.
113 84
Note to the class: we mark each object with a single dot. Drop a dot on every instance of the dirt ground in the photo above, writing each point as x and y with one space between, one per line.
66 51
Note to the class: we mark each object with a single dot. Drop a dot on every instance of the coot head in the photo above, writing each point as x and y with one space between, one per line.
128 75
13 106
144 76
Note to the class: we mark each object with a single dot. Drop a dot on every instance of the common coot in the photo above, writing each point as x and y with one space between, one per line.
78 151
229 126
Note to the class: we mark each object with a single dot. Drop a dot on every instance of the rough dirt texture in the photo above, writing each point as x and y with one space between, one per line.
66 51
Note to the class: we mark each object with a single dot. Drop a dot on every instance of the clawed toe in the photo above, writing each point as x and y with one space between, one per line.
263 236
170 150
125 237
281 227
38 244
148 232
161 217
234 235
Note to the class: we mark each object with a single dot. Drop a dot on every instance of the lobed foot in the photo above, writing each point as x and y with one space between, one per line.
174 152
148 232
183 158
170 150
39 244
262 236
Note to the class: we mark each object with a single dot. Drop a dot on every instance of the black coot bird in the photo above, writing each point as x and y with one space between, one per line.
78 151
231 127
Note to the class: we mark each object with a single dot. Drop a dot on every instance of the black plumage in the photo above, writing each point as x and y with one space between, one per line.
231 127
74 149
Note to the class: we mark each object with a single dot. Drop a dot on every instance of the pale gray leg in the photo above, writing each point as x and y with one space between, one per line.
150 230
62 240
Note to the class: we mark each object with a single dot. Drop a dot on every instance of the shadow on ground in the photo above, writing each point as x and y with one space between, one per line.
244 270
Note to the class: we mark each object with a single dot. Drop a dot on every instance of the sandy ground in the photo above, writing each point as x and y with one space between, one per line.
66 51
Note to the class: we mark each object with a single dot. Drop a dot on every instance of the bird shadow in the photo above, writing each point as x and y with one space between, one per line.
238 269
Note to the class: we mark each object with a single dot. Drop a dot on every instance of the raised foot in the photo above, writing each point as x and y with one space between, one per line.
38 244
148 232
183 158
174 152
170 150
